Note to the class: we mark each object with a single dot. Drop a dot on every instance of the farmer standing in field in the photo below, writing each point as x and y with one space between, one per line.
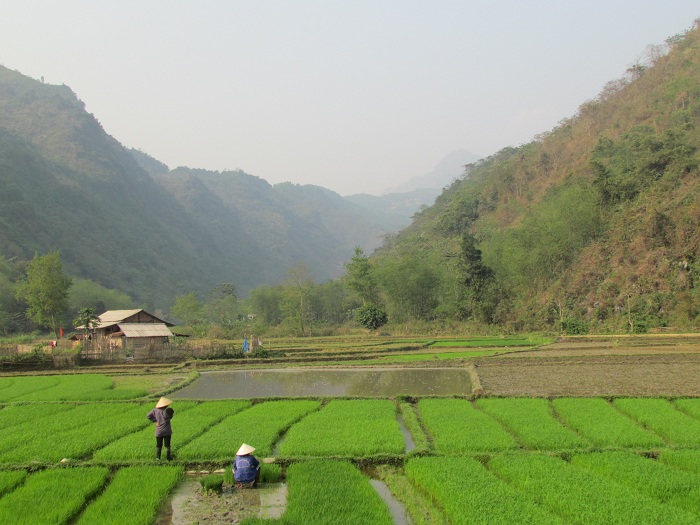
246 467
161 416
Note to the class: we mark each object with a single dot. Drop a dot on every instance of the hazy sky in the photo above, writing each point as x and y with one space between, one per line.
356 96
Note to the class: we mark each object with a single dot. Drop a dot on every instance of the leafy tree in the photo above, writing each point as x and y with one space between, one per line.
371 316
360 277
266 302
297 294
222 305
477 279
86 321
45 290
412 284
188 309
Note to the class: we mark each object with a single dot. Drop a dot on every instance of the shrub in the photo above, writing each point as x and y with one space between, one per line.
371 316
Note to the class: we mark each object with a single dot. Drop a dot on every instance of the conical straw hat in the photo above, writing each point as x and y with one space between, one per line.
163 402
245 449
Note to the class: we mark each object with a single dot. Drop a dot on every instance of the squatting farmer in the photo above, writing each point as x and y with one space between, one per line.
246 468
161 416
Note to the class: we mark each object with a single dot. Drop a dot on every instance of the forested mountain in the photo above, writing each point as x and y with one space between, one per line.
593 225
124 220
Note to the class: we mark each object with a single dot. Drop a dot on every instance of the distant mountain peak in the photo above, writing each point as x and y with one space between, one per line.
448 169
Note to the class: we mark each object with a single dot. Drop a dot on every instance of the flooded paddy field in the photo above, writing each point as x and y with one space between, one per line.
379 382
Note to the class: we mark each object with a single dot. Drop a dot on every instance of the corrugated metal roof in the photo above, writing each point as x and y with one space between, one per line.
112 316
145 330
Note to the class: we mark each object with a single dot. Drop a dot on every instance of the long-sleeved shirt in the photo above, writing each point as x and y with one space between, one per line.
245 468
162 420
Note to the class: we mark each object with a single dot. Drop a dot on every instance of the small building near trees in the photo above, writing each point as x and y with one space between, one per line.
129 334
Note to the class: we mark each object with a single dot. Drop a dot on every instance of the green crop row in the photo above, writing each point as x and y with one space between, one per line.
456 427
93 430
51 497
134 496
532 421
605 426
82 387
14 415
190 421
9 480
259 426
358 428
323 491
688 460
664 418
60 421
467 493
651 478
579 496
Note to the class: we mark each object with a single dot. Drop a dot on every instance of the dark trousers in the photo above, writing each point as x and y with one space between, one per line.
159 446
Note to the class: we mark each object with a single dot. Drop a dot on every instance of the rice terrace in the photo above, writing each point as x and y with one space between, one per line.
594 429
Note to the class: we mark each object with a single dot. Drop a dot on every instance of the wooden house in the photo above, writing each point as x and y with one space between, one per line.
133 334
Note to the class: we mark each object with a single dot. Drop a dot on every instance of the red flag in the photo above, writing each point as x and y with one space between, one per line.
60 331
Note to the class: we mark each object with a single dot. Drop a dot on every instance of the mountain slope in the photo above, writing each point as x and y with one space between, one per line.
595 224
124 220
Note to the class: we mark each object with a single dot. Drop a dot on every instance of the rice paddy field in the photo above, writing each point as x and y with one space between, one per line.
78 449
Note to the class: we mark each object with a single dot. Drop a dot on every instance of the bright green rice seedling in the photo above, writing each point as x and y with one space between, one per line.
359 428
103 424
51 497
213 483
469 494
82 387
651 478
599 421
47 425
664 418
457 428
688 460
134 496
533 423
323 492
22 386
9 480
689 406
14 415
260 426
579 496
189 422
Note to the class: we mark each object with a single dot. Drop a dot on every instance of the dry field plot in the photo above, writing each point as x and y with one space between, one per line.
672 375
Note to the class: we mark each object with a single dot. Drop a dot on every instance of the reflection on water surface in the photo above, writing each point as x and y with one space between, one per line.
328 383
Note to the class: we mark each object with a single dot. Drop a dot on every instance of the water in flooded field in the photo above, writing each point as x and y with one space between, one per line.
328 383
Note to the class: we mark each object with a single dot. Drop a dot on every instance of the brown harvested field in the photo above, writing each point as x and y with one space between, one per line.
676 374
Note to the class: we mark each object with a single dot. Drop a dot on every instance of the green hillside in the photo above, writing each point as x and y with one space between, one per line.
595 225
125 221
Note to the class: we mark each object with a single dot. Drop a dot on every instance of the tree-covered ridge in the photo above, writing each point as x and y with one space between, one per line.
595 224
124 221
